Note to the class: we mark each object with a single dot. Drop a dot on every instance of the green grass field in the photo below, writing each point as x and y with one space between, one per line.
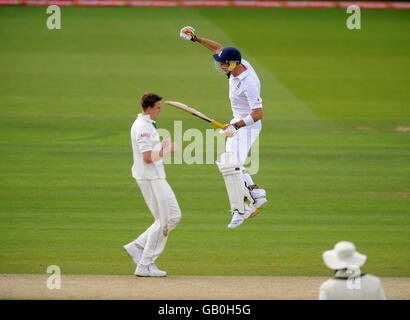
331 158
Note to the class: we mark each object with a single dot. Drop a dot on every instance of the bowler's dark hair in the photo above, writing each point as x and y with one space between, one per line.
148 99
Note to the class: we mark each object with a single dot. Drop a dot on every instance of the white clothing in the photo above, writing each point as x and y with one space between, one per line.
244 92
164 207
364 287
144 137
155 189
242 141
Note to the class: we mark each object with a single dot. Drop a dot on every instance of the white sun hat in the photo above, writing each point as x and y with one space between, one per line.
344 255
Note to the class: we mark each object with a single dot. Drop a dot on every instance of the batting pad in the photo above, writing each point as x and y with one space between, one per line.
235 186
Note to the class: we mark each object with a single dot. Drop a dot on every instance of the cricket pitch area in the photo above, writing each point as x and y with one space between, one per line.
107 287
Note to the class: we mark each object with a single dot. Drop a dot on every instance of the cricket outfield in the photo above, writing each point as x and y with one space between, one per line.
333 153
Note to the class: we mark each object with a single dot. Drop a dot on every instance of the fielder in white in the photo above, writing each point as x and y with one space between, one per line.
348 282
148 170
242 131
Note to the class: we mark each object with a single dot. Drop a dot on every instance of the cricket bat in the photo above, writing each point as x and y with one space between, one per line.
195 112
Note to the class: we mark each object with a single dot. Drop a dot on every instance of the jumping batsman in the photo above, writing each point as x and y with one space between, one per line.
242 131
148 170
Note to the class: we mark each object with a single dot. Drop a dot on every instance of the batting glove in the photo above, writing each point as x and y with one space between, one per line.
188 33
229 130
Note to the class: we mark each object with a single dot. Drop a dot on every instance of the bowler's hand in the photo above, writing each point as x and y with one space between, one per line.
168 146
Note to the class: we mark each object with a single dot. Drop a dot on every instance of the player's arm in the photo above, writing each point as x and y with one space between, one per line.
230 128
188 33
255 102
210 44
252 93
150 156
256 114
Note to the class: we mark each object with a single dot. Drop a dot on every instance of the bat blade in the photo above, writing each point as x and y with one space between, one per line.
194 112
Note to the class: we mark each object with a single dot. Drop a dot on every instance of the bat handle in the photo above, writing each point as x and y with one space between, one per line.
218 124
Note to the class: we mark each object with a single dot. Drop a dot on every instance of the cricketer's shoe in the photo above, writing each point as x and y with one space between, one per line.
237 220
248 212
257 207
134 251
150 270
159 273
259 196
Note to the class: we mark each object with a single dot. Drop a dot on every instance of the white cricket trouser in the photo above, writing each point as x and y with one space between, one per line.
164 207
242 141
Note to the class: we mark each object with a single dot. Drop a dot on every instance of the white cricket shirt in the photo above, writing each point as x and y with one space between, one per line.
244 92
365 287
144 137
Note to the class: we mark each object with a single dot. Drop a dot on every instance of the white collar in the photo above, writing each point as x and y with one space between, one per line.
346 274
145 117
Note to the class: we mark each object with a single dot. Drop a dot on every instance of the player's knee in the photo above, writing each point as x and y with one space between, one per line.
177 219
173 221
